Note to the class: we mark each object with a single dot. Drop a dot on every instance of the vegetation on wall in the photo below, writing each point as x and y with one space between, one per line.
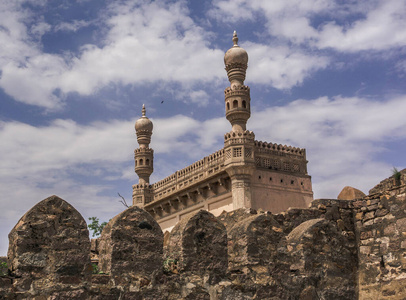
95 226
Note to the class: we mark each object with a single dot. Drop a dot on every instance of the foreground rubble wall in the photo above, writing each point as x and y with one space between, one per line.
380 219
49 252
336 249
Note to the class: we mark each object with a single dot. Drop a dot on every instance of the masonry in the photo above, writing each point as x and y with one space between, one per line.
335 249
245 173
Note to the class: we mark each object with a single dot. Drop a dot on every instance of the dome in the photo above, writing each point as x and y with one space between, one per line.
143 123
236 54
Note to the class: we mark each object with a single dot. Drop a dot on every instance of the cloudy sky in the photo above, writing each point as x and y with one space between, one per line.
325 75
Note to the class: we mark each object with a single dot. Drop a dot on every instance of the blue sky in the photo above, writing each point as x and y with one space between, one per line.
328 76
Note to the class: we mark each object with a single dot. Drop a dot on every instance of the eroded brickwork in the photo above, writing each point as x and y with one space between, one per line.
49 251
336 249
381 225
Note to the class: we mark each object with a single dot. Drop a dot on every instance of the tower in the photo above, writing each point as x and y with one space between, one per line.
144 160
238 143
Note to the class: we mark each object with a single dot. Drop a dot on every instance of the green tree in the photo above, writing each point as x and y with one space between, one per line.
95 226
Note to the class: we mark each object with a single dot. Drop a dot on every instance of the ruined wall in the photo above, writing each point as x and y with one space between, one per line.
336 249
381 226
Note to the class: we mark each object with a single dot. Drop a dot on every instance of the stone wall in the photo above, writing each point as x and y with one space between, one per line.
381 229
336 249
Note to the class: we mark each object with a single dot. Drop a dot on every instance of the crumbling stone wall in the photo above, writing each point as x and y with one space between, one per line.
199 245
336 249
49 251
252 243
323 260
130 247
381 228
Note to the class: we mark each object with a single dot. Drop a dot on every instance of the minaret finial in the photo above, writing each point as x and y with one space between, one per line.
143 110
235 39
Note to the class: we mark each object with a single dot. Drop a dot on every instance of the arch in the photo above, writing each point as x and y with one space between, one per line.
147 162
228 105
235 103
141 162
244 104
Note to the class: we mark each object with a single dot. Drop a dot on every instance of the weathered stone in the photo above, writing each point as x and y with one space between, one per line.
390 229
315 249
299 254
253 241
229 219
368 216
372 207
401 225
131 246
350 193
381 212
50 242
199 244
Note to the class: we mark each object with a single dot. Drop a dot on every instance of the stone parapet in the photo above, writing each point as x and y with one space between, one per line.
232 138
207 167
278 149
336 249
280 157
300 254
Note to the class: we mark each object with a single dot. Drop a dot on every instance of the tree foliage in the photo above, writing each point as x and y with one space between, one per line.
96 226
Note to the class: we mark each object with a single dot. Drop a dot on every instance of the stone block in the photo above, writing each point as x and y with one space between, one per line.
50 242
253 241
401 225
199 244
131 246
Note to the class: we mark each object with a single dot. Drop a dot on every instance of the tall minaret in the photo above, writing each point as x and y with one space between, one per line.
239 142
144 160
237 95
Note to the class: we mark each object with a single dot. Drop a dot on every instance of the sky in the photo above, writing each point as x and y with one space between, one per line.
328 76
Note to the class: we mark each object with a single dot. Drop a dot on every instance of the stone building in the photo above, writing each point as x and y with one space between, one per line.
245 173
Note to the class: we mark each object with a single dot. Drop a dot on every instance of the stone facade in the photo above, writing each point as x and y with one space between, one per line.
335 249
246 173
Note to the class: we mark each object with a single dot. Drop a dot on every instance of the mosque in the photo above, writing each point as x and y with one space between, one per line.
245 173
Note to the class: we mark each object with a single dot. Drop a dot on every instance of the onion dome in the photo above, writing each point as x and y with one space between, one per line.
236 54
143 124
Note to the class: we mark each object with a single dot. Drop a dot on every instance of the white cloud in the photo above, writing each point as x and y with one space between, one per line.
74 26
350 26
342 137
281 66
150 42
381 29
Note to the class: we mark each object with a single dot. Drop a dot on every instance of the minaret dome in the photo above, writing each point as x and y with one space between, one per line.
236 63
143 129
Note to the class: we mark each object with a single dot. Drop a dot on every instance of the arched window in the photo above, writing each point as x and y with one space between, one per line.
228 106
136 162
244 104
235 104
141 162
147 162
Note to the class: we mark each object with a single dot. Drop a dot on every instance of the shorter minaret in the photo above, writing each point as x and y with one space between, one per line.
239 142
144 160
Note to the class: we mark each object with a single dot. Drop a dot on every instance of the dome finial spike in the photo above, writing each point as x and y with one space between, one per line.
143 110
235 39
